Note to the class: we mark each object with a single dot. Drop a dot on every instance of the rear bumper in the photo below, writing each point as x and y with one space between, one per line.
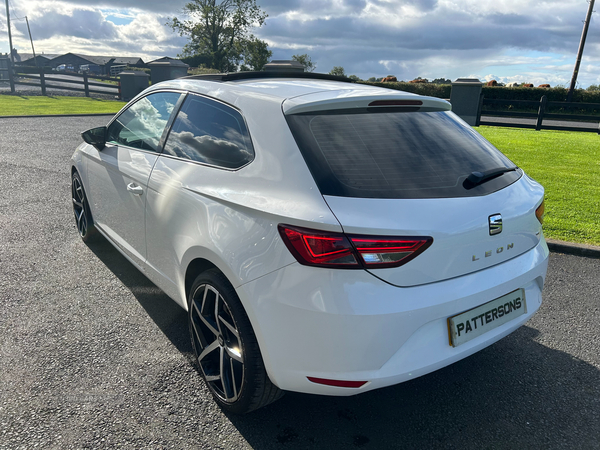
349 325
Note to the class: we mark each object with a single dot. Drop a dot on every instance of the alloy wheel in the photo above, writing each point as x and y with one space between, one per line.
217 343
80 207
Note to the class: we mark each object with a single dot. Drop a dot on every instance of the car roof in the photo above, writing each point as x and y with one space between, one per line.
299 92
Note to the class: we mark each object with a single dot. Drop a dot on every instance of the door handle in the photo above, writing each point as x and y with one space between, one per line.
135 189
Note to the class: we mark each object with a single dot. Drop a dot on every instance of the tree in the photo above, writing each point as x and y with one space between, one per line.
219 30
338 70
305 60
255 54
354 78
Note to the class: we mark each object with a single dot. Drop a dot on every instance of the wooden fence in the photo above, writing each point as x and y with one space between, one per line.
68 82
567 122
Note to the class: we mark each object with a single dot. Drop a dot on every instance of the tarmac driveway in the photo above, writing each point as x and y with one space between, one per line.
92 355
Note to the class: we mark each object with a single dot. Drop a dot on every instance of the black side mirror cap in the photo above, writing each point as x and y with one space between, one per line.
95 137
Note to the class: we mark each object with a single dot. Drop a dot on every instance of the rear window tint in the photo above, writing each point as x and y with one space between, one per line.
396 154
210 132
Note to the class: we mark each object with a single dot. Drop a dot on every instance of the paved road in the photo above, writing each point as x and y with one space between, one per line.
92 355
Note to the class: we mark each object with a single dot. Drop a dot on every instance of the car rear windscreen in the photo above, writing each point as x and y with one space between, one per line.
396 154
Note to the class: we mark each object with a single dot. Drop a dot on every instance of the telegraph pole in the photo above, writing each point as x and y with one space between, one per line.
12 58
32 49
586 25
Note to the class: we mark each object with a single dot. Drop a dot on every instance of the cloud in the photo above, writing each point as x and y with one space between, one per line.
429 38
80 23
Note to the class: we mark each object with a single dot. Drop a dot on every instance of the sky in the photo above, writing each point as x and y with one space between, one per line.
506 40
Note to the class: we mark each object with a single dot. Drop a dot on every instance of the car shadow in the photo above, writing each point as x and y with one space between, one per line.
516 393
168 316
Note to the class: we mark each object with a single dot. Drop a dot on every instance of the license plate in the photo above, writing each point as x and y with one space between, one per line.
477 321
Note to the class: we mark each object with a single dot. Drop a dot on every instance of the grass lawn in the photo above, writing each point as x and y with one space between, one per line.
567 164
15 105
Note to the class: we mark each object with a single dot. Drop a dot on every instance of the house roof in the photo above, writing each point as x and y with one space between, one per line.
163 59
92 59
28 56
128 60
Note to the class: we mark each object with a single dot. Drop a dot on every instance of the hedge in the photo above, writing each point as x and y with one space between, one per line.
557 94
429 89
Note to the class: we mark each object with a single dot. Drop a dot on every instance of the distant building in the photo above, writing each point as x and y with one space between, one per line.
104 63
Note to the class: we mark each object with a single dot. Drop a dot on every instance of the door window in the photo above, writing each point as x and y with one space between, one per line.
141 125
210 132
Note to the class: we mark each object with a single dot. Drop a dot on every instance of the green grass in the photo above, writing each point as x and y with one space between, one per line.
15 105
567 164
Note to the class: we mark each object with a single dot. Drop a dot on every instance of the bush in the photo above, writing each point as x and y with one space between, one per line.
429 89
136 69
201 71
556 94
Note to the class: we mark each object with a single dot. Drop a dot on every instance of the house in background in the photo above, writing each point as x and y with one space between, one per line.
75 60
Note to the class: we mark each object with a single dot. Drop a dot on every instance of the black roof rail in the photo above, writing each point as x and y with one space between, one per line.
235 76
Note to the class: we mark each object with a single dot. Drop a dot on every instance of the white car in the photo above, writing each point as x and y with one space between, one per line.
326 237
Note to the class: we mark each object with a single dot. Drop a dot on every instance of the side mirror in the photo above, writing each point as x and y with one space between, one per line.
95 137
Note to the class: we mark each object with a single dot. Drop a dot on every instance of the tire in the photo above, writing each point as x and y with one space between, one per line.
225 347
81 209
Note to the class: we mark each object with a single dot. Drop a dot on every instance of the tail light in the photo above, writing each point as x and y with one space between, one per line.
342 251
539 212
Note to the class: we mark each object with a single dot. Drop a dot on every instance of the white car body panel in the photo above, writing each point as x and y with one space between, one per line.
356 98
345 325
109 173
383 326
459 227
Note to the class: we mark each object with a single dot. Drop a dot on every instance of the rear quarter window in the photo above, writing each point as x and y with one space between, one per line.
210 132
396 154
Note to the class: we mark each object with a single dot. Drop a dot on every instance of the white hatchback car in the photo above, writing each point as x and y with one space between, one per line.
326 237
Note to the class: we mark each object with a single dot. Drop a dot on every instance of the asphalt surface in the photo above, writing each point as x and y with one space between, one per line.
92 355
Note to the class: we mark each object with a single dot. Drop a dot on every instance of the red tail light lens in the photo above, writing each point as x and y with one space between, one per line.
319 248
337 250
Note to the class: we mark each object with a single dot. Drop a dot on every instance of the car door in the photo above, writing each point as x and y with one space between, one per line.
207 144
119 176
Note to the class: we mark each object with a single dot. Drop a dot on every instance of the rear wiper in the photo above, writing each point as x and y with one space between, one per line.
477 178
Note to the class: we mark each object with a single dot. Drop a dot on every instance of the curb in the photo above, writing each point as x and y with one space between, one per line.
59 115
570 248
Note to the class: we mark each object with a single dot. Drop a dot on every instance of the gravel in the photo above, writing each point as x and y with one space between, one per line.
93 355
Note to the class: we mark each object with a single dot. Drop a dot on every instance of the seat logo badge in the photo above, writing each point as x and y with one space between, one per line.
495 224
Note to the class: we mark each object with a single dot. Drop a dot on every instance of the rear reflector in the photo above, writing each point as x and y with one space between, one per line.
337 383
338 250
396 103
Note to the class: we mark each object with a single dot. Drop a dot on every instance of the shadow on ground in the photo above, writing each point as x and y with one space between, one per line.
515 394
167 315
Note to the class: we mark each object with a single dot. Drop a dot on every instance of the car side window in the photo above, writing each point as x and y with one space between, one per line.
210 132
143 123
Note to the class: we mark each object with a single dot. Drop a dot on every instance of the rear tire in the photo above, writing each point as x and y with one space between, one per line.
225 347
81 209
